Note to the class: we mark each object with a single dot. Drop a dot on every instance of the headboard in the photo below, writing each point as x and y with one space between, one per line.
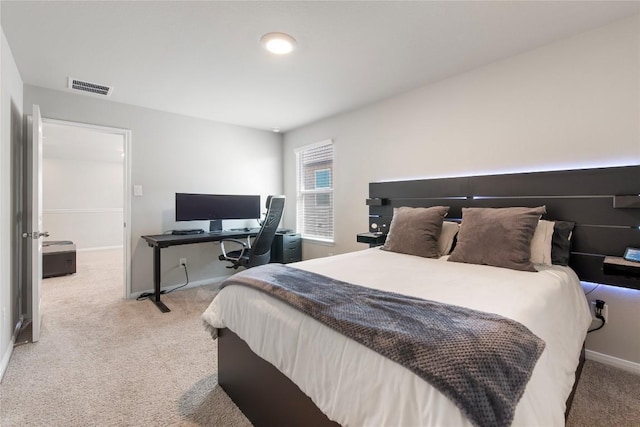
603 202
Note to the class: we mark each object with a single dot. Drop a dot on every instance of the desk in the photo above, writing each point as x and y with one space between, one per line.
159 241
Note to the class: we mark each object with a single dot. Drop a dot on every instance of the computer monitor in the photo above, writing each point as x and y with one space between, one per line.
216 207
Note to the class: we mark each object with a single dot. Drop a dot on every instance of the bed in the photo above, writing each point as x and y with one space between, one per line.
282 367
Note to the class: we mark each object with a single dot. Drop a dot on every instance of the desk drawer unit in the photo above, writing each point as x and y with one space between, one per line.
286 248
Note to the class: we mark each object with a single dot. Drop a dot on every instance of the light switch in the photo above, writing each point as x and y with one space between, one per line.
137 190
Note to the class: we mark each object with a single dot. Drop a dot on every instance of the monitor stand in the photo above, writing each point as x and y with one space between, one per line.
215 226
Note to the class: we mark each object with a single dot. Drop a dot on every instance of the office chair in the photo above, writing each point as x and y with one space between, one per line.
260 252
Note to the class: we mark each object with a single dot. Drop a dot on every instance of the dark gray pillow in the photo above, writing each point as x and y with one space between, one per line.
561 242
500 237
415 231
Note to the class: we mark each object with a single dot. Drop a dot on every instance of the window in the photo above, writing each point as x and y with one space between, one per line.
314 169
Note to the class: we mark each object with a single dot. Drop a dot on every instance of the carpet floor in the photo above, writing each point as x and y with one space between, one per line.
105 361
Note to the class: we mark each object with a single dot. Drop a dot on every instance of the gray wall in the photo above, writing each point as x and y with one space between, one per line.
172 153
570 104
10 145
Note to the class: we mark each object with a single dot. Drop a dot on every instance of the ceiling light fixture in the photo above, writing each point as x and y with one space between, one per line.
278 43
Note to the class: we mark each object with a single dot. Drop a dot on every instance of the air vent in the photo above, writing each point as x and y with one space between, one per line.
94 88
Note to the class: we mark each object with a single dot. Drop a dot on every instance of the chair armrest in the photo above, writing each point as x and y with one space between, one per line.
237 241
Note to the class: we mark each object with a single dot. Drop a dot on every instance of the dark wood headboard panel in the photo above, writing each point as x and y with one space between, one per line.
584 196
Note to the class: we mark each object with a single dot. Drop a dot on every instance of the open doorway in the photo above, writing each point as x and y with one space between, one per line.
85 209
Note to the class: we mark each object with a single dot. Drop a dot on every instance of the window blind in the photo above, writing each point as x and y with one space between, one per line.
314 164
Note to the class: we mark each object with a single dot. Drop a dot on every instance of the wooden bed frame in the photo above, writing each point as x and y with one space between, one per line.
268 398
602 202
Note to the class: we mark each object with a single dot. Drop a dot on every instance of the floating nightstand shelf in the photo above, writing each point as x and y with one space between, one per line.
373 239
621 267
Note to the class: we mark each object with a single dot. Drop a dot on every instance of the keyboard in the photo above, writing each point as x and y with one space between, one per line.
256 229
188 231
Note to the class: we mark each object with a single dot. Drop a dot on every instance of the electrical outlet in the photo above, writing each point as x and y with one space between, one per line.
183 261
605 311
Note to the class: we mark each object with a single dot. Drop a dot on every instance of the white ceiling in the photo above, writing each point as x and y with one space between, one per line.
204 59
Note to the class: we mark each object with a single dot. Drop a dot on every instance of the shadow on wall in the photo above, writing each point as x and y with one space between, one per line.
17 186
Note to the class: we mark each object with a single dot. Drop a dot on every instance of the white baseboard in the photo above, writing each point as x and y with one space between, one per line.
626 365
194 284
7 354
6 357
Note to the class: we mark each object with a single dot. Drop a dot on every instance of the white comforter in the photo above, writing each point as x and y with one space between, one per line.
355 386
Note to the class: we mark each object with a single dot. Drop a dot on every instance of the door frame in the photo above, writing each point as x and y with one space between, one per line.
126 205
34 231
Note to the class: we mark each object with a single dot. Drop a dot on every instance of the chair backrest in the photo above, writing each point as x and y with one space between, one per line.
261 246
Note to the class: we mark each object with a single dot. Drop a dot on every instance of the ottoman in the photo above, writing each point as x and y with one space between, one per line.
58 258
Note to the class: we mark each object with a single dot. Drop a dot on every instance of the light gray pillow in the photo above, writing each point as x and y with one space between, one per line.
500 237
415 231
541 243
448 233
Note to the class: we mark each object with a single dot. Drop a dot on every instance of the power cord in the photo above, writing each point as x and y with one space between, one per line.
146 295
592 289
186 273
598 310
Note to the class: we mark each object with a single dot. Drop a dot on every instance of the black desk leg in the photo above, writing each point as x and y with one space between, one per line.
156 281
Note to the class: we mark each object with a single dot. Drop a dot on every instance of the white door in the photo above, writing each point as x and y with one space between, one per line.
35 235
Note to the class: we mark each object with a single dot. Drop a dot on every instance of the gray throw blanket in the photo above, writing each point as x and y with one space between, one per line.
480 361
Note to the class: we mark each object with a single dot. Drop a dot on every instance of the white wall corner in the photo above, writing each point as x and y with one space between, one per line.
4 364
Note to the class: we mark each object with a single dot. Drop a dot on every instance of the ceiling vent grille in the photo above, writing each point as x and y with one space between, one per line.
94 88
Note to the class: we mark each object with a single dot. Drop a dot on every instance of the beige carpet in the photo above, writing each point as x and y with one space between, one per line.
104 361
606 397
